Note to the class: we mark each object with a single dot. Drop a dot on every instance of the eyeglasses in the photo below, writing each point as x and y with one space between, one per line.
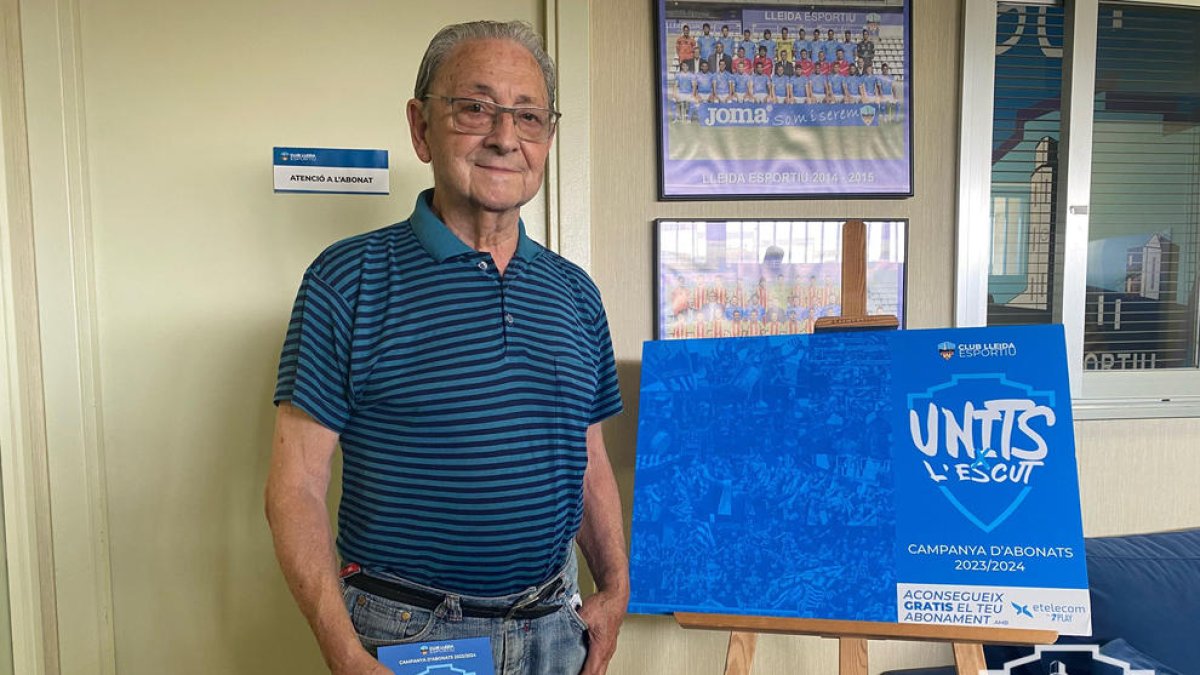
479 118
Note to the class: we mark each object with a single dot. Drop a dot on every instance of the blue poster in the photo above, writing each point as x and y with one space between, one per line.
471 656
922 476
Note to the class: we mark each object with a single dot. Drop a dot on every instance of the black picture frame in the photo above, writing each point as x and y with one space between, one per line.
761 148
777 279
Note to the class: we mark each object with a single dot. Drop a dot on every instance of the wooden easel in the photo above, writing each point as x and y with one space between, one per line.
852 636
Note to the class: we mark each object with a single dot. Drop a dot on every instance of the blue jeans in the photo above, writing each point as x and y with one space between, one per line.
555 644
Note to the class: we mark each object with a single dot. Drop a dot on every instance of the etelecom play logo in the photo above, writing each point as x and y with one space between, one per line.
982 440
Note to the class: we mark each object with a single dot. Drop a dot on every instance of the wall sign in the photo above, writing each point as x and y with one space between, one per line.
332 170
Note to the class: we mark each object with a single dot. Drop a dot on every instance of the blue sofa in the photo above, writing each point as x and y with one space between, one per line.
1145 593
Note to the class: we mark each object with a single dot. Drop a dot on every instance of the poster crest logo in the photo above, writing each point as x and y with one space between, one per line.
983 449
946 349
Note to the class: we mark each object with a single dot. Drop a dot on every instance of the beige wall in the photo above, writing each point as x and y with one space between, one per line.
6 652
1135 475
1138 475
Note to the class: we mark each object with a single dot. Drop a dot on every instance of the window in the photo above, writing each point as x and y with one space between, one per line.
1095 120
1025 134
1144 233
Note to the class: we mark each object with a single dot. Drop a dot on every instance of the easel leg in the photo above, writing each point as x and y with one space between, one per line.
968 658
852 656
741 653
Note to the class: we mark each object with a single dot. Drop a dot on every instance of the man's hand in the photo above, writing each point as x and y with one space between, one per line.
603 612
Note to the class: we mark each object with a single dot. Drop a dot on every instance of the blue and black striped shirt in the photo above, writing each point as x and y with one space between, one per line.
462 398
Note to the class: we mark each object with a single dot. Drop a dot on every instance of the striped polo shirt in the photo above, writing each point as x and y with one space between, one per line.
462 399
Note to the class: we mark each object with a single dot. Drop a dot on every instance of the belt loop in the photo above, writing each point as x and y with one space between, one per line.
450 609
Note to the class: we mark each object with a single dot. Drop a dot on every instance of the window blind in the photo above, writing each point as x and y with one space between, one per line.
1144 232
1026 261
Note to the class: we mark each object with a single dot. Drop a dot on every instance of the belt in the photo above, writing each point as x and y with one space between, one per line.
531 607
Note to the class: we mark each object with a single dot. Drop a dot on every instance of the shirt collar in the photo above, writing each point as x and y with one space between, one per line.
442 244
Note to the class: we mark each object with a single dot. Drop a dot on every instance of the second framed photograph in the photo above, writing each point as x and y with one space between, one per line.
734 278
769 99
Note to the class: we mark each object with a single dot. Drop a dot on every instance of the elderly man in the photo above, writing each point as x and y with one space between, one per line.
465 371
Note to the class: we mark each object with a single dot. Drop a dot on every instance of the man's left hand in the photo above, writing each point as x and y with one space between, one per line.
603 613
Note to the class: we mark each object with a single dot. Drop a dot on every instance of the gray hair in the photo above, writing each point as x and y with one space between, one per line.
450 37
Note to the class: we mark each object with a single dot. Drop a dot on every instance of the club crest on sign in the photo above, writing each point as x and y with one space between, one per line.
981 439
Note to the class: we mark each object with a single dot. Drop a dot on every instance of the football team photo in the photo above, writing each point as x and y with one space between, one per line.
784 100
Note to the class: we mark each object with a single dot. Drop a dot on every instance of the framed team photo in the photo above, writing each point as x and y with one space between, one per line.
776 100
734 278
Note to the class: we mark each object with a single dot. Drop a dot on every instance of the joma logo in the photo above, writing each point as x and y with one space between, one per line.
736 116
